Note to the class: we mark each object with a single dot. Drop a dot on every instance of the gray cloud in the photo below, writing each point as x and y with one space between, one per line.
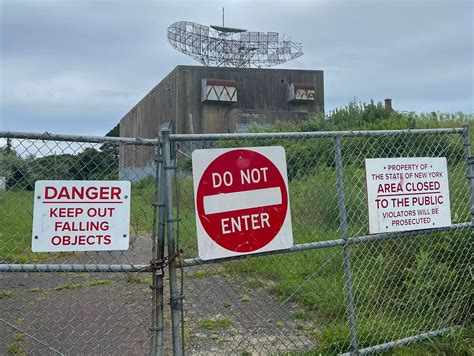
79 66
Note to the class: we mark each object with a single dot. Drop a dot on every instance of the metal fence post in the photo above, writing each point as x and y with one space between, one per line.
159 214
470 162
175 298
343 224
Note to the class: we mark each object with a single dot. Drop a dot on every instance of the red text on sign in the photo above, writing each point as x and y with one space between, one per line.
248 176
245 223
81 226
81 193
65 212
81 240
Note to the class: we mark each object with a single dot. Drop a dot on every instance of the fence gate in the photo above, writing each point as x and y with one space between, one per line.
339 289
75 302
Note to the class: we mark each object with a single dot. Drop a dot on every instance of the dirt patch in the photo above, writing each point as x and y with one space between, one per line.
110 313
222 315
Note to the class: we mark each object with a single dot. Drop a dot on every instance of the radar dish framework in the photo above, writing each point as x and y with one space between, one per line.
232 47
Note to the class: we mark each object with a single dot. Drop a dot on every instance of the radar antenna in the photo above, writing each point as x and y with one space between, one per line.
232 47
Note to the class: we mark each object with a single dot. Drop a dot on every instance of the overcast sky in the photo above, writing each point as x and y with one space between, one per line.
79 66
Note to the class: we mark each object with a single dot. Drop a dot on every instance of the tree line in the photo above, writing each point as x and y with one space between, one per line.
21 170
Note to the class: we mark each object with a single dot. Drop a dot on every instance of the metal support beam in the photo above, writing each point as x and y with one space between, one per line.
175 298
159 211
344 230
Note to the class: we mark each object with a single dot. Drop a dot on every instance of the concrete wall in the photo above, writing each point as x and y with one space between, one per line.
157 107
137 173
262 95
262 99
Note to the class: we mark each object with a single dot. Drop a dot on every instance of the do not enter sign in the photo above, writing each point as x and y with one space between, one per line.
242 203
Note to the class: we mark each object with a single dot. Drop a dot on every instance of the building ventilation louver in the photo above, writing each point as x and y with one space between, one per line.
301 92
218 90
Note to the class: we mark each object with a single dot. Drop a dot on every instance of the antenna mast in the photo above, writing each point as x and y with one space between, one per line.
222 16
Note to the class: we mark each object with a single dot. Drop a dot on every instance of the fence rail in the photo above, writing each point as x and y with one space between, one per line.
44 268
317 134
190 262
78 138
338 289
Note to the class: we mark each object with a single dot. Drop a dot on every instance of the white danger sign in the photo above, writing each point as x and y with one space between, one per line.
81 216
242 201
407 193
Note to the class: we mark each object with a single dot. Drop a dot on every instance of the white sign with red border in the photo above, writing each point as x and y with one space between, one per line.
409 193
81 216
242 201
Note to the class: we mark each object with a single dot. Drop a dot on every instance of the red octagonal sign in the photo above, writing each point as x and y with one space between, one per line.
241 198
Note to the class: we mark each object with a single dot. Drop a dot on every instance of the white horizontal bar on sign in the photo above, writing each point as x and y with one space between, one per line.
220 203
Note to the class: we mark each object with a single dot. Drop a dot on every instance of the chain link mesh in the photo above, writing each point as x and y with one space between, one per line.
297 302
72 312
403 285
421 282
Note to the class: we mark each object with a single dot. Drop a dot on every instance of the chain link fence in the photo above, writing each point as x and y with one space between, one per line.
337 290
73 302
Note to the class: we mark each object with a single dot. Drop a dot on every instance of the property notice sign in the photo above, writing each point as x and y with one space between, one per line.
81 216
242 202
407 193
